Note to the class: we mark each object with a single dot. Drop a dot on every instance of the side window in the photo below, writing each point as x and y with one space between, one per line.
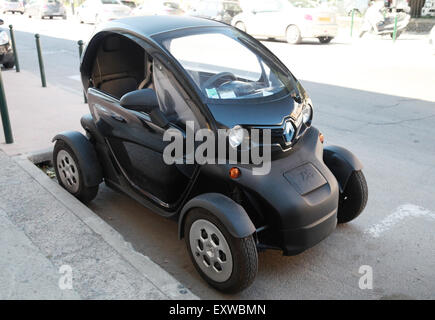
171 96
119 66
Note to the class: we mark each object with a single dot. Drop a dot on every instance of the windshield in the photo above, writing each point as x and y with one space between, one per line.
303 3
226 66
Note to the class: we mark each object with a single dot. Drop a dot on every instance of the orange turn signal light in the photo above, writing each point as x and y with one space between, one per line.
321 137
235 173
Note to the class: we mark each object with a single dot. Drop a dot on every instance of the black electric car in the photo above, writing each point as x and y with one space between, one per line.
145 75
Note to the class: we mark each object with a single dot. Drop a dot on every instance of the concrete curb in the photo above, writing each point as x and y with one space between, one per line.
150 270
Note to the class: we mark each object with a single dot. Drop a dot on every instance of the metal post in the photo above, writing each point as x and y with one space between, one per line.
395 28
14 48
72 7
41 62
351 23
80 43
5 114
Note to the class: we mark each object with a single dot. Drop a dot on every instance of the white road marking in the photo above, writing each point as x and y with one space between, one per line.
402 212
75 77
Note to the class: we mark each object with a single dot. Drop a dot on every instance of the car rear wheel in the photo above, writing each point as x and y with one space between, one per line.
353 199
241 26
325 39
9 65
227 263
293 35
69 174
397 34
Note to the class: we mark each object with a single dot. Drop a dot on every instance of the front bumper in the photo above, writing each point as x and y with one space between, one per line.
301 195
313 30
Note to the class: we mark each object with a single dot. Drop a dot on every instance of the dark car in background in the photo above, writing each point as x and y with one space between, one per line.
6 53
129 3
45 8
220 10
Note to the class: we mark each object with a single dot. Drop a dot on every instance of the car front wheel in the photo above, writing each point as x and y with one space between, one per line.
9 65
69 174
353 199
227 263
241 26
293 35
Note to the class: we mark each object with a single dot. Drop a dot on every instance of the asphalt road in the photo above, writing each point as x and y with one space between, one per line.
371 96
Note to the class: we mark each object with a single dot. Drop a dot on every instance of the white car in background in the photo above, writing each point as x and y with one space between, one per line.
432 37
96 11
13 6
292 20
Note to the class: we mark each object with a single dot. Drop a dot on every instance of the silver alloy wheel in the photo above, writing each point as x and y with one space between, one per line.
241 26
211 250
68 171
293 34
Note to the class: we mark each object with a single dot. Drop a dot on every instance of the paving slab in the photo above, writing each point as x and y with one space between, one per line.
38 216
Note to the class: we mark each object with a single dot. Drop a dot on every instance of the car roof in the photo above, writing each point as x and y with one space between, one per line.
152 25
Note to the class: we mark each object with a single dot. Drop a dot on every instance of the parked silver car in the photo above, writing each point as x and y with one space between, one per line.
292 20
45 8
158 7
96 11
13 6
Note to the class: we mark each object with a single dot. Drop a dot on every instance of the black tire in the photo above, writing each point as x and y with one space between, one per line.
50 17
9 65
243 251
353 199
325 39
397 34
84 193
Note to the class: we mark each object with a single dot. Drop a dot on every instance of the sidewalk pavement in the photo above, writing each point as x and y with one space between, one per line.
37 114
43 227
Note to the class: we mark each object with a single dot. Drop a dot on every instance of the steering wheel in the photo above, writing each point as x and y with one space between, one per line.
213 79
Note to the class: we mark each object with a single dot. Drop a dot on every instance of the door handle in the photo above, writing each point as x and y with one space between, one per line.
118 118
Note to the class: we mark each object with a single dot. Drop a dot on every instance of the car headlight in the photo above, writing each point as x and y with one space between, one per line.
307 114
235 136
4 38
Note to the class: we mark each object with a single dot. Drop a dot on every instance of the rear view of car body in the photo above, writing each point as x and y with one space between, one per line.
96 11
45 8
13 6
158 7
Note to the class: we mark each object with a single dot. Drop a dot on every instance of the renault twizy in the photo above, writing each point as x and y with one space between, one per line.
145 75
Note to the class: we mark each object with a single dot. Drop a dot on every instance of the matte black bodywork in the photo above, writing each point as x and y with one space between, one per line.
292 208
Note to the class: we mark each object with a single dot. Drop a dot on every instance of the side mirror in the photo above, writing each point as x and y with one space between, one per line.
1 21
145 100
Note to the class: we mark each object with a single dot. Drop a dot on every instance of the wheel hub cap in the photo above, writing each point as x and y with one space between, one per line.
210 250
68 171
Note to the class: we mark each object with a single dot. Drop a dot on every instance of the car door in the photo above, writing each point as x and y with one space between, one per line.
137 145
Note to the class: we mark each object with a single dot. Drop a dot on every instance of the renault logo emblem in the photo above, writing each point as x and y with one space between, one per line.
288 132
